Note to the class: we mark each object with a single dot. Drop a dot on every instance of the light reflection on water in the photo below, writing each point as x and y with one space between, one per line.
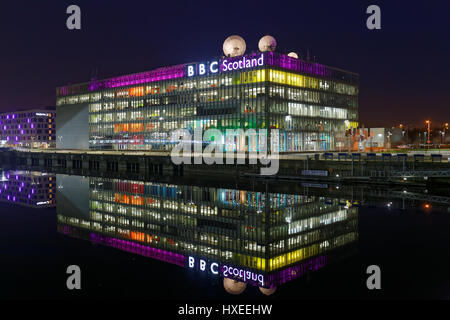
257 233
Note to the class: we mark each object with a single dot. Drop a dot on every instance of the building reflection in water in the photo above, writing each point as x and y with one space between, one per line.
28 188
261 238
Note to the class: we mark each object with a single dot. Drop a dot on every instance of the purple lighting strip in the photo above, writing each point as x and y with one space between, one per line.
138 78
159 74
298 65
140 249
293 272
179 71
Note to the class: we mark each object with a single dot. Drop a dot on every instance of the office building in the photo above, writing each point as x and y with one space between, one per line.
309 103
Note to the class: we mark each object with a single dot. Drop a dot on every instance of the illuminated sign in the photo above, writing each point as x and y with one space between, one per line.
201 69
226 271
42 114
212 67
243 63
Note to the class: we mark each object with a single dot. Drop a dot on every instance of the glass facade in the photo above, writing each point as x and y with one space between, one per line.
310 104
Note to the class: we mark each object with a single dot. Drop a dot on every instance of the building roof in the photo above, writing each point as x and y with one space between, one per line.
31 109
271 59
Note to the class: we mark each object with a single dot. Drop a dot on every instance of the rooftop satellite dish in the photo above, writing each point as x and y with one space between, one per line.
293 55
234 46
267 43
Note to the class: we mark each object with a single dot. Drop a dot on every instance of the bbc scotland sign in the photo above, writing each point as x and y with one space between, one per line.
201 69
225 65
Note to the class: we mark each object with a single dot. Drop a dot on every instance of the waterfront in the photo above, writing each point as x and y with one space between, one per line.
407 237
412 168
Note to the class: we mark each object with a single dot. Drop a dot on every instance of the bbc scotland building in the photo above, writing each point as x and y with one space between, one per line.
312 105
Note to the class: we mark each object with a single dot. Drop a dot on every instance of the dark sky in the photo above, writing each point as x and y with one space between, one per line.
404 67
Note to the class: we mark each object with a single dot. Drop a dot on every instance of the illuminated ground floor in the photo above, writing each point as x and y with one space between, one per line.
31 145
287 141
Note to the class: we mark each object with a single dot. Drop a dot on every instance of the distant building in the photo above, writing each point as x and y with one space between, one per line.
34 128
385 138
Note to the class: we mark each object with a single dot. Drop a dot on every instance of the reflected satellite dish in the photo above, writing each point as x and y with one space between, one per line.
267 43
293 55
268 291
234 287
234 46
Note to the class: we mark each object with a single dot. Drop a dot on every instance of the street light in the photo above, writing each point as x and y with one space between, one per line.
428 122
445 131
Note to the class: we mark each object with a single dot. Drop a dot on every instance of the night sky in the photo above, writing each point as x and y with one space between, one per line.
404 67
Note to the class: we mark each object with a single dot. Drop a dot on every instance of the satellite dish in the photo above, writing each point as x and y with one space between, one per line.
293 55
234 46
234 287
267 43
